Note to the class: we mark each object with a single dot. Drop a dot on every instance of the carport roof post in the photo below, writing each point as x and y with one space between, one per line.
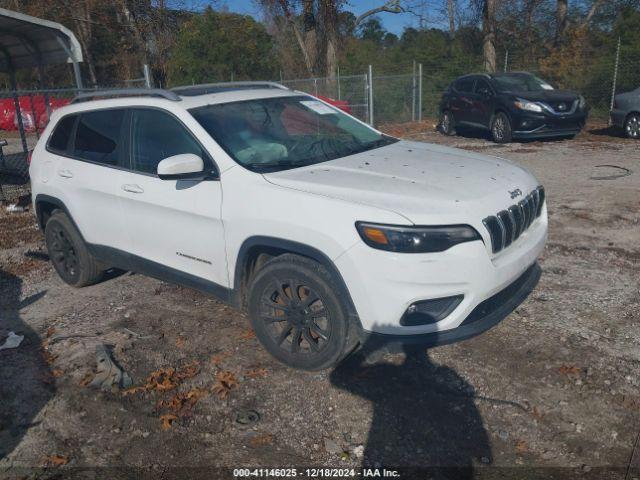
30 42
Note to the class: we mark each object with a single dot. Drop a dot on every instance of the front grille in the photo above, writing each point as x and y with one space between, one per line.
507 225
562 107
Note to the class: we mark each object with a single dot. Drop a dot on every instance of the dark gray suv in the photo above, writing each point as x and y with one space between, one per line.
626 113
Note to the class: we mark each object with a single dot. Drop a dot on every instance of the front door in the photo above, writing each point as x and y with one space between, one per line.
483 102
174 224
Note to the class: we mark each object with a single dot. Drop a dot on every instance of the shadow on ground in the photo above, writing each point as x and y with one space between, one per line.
423 414
26 382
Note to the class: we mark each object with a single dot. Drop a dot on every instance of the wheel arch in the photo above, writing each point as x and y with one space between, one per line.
632 112
255 251
45 206
496 111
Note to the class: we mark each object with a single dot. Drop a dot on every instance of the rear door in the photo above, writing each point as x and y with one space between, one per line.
175 224
90 172
462 103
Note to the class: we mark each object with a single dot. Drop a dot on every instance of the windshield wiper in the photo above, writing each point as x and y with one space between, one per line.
278 165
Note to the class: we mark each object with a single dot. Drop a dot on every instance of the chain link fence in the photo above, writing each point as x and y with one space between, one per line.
19 133
371 97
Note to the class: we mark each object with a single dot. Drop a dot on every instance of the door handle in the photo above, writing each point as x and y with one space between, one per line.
65 173
132 188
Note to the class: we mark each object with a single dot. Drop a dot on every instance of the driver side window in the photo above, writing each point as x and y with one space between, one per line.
156 135
483 88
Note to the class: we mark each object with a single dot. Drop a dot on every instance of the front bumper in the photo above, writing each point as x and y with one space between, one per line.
486 315
530 125
384 284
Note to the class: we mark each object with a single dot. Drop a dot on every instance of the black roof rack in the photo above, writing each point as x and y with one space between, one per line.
126 92
206 88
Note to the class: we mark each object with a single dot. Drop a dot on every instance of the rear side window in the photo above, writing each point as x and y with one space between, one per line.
59 140
98 137
464 85
157 135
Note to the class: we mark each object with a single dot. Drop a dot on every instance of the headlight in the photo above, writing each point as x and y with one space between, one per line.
527 105
582 104
415 239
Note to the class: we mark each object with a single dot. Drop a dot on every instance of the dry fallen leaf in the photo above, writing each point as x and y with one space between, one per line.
182 402
167 420
521 446
50 331
248 334
257 372
218 358
57 373
261 440
180 342
55 461
569 370
165 379
225 381
536 413
86 380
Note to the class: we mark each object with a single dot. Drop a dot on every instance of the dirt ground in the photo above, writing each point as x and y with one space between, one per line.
553 390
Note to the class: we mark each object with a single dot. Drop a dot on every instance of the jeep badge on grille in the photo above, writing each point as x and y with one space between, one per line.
515 193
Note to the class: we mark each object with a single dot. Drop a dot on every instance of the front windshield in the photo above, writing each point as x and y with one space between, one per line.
520 82
274 134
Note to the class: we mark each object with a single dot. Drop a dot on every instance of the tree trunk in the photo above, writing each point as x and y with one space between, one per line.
562 7
489 35
452 19
330 20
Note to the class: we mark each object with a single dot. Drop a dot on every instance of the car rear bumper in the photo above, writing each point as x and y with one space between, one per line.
618 117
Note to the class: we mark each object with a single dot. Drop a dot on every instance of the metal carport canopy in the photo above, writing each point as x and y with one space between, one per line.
30 42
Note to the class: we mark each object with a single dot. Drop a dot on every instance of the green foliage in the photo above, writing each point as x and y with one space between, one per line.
219 46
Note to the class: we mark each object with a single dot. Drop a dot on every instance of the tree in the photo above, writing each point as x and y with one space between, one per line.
315 27
489 34
218 46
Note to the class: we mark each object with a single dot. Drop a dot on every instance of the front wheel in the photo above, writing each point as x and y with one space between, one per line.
297 315
501 128
632 126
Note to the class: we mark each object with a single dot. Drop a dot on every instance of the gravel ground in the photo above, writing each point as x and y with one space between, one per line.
554 389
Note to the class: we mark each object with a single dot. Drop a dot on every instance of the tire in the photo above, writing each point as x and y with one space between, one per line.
68 252
447 123
632 126
305 327
501 128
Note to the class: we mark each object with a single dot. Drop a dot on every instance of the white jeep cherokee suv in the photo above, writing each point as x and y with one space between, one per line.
329 233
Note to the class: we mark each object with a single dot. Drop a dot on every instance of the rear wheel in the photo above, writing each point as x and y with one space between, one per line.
68 252
297 315
632 126
447 123
501 128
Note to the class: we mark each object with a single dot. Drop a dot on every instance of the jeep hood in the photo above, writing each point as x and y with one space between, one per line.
425 183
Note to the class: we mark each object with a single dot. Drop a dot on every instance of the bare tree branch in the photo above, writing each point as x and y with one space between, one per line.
392 6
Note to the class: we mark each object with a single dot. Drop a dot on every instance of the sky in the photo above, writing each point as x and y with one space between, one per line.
394 23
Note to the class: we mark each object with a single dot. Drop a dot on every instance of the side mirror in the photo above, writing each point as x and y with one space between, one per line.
486 93
181 167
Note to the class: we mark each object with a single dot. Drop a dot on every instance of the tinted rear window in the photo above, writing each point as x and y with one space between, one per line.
464 85
59 140
98 136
